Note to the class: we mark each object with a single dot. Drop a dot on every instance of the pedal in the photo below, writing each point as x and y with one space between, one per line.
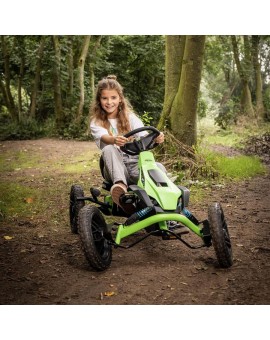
177 228
181 231
127 198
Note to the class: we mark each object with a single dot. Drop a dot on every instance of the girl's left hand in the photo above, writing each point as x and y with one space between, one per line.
160 138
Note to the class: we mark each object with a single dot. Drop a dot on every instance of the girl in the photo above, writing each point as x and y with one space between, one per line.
112 117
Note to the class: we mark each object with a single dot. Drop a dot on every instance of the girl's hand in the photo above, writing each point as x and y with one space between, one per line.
120 140
160 138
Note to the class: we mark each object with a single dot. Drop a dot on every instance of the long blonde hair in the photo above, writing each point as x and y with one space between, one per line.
100 116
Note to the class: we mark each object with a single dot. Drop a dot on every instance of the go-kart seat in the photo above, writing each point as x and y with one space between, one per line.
106 184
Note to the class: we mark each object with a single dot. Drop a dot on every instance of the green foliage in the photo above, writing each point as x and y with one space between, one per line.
138 62
25 129
227 114
202 107
237 167
146 119
76 130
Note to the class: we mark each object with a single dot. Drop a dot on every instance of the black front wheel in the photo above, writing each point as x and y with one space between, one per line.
97 249
220 235
75 206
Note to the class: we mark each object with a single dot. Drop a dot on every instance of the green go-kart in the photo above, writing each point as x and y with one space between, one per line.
160 209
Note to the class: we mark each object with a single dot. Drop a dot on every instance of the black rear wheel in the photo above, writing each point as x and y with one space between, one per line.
97 249
75 206
220 235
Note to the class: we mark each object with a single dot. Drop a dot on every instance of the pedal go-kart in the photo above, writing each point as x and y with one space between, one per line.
160 209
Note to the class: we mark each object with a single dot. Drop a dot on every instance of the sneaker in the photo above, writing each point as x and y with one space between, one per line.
117 190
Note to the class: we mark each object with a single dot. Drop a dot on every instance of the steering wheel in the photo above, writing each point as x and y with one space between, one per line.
143 144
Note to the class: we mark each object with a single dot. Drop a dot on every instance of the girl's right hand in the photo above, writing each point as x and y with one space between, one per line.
120 140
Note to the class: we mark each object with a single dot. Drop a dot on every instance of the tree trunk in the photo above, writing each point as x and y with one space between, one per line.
81 75
246 100
91 69
22 64
70 61
36 81
260 110
183 114
5 83
59 116
175 46
243 71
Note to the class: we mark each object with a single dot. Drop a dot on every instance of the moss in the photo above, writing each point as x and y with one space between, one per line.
10 161
17 200
81 165
240 167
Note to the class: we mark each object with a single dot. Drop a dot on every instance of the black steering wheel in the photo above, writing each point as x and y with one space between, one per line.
144 143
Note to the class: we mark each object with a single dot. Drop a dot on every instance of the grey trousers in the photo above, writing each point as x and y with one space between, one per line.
120 167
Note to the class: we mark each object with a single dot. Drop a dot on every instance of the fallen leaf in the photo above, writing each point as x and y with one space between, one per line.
109 293
29 200
8 238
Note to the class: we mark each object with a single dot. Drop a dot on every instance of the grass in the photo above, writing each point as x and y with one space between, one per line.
222 138
235 168
81 165
240 167
10 161
44 192
219 168
17 199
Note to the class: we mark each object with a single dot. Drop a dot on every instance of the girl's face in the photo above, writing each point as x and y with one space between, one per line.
110 100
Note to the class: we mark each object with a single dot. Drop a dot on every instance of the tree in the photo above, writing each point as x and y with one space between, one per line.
184 66
93 55
5 81
244 71
59 115
36 79
20 42
175 46
260 111
81 64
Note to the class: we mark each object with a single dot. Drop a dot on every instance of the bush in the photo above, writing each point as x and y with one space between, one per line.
227 114
26 129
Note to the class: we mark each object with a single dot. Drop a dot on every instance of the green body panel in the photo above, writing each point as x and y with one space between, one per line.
166 196
124 231
108 200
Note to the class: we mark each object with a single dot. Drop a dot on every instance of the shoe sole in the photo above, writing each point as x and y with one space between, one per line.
116 193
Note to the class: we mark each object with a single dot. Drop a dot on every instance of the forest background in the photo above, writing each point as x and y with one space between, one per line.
47 82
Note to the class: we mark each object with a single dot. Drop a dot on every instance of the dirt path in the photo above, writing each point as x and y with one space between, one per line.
43 263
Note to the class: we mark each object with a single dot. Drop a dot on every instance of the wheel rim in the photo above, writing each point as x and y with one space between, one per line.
72 212
100 242
226 232
227 239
